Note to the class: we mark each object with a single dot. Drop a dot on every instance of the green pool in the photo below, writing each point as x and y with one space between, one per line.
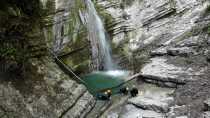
98 81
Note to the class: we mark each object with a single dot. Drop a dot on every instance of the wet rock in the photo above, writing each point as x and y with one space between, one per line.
182 117
177 111
170 84
182 51
158 69
159 15
160 83
46 92
82 107
207 104
206 114
158 105
189 42
208 57
178 32
208 41
159 52
130 111
152 97
193 95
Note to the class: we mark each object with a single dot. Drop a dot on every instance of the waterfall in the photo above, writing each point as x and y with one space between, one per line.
101 52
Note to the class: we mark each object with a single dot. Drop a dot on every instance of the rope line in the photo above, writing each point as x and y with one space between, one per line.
71 70
67 67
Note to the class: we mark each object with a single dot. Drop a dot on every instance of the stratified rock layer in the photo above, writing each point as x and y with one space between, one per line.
47 92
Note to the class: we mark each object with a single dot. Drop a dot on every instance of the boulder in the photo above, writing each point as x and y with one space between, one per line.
157 105
130 111
152 97
158 69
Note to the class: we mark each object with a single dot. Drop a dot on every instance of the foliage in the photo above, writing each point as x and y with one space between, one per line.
208 9
208 30
77 34
19 19
207 12
75 26
126 3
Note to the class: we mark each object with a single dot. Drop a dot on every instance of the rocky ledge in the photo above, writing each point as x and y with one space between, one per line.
46 93
173 35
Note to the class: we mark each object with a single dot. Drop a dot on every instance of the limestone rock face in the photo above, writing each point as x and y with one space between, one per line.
160 70
173 35
47 93
157 105
133 112
153 98
206 114
207 104
162 26
177 111
58 17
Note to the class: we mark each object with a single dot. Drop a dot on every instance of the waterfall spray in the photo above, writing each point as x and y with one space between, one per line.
98 38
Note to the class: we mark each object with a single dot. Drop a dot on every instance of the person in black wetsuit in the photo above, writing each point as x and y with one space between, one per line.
124 90
134 92
105 95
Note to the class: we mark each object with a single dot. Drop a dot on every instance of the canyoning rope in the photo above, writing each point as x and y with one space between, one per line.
80 79
67 67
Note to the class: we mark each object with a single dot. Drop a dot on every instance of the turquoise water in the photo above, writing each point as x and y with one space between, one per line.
99 81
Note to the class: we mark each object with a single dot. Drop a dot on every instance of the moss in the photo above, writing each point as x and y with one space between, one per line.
138 62
49 37
8 52
67 61
106 17
208 30
208 9
79 61
75 26
77 34
126 3
82 68
21 31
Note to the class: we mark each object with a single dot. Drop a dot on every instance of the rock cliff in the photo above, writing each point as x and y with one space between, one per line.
167 41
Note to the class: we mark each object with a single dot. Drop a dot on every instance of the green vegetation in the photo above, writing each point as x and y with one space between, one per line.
208 30
76 32
208 9
76 28
106 17
20 19
126 3
207 12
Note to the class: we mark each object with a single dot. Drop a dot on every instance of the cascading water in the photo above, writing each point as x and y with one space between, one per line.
100 46
101 55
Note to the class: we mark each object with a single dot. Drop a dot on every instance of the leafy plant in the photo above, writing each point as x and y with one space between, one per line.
208 9
208 30
19 20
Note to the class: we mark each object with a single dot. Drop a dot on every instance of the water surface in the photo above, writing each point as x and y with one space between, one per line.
102 80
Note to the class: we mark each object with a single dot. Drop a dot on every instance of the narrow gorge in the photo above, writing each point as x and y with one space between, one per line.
83 58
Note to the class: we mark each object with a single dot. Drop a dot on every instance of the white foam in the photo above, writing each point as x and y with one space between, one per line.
117 73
